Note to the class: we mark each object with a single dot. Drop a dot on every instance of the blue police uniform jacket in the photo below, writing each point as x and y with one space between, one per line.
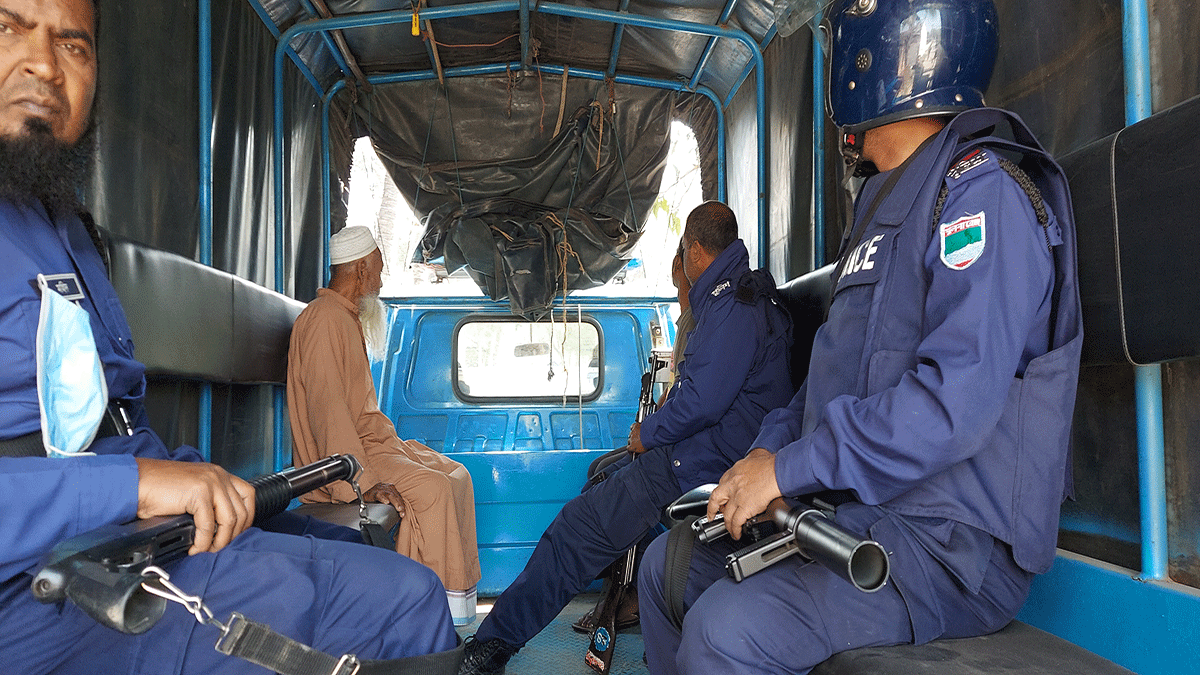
48 500
942 385
735 371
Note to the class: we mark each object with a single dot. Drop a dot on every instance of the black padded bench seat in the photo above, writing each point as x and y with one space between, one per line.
1018 648
806 299
191 321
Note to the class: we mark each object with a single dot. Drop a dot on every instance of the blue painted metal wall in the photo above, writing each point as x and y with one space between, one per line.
527 458
1151 627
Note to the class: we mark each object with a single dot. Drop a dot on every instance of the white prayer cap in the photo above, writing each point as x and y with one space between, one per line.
350 244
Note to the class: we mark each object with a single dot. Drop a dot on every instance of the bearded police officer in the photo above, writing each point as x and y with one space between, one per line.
60 475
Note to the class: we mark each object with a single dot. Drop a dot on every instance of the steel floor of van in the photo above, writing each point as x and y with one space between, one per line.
558 650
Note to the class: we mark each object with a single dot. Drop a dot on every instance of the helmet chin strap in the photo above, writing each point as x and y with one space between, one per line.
852 147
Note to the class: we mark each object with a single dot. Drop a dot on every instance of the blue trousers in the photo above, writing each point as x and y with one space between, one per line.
336 596
792 616
590 532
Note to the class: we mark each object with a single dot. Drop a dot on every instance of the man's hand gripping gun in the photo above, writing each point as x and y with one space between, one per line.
101 570
788 528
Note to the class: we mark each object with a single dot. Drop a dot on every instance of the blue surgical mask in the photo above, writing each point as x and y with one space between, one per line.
72 392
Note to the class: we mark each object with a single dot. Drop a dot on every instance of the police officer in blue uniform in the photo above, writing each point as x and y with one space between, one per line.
735 370
337 596
940 391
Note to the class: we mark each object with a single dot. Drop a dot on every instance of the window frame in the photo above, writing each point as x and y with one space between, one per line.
573 398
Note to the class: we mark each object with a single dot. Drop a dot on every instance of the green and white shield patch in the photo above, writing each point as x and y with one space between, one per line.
962 241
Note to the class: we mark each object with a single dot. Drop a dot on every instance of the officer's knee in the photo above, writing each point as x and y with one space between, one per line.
653 568
715 635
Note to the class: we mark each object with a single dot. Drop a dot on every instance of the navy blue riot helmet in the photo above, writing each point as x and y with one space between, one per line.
896 59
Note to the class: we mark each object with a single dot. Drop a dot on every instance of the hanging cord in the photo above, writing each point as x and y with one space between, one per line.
611 111
512 82
425 151
565 247
579 371
621 159
496 43
550 373
536 44
575 177
453 144
565 252
599 134
562 100
562 352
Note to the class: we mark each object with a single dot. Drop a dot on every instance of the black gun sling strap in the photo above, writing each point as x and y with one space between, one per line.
680 542
259 644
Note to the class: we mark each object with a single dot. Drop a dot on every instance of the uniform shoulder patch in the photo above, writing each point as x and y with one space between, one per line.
961 242
971 161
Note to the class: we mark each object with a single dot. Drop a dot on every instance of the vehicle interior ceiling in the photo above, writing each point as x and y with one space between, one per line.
585 94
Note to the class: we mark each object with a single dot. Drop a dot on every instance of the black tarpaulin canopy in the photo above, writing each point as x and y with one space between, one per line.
535 171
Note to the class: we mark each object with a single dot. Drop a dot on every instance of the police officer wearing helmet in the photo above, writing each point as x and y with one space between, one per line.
940 390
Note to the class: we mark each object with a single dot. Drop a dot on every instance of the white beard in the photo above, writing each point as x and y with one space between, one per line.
372 314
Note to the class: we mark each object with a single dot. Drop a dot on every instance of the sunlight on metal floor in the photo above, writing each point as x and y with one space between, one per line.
558 650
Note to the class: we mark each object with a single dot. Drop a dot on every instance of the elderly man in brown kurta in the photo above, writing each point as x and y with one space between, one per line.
333 409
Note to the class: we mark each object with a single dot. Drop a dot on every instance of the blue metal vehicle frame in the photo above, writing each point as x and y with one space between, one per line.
1078 598
1150 602
528 456
619 19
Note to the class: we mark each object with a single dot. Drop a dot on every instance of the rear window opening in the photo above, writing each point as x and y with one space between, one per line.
374 201
503 359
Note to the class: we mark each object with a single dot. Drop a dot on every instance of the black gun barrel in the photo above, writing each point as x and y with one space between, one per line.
862 562
100 570
274 491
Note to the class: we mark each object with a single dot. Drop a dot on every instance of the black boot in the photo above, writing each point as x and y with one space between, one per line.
485 658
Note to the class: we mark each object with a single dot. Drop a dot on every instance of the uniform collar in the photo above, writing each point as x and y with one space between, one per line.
734 259
968 124
896 206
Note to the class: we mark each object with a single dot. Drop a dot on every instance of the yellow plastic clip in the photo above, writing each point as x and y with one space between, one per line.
416 25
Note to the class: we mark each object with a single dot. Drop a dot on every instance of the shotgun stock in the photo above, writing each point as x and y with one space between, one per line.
100 570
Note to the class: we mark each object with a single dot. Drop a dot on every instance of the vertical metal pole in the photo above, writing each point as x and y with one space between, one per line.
722 189
523 13
818 166
618 35
1148 379
277 159
326 193
205 67
760 97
